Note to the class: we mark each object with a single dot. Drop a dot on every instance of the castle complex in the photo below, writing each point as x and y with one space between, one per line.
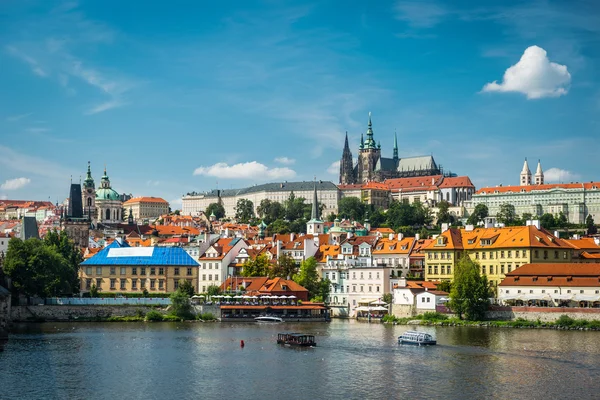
372 166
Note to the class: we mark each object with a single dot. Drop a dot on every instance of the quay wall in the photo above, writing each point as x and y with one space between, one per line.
544 314
73 313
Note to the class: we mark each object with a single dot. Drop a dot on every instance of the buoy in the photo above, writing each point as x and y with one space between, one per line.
241 343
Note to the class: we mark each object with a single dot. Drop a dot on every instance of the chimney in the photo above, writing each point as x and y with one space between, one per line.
292 236
417 236
445 227
278 248
391 236
402 282
556 234
488 224
469 228
536 223
400 236
597 241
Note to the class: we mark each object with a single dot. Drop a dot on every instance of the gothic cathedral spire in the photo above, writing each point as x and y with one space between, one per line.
347 165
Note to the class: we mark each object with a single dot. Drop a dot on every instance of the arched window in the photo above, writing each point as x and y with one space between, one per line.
107 213
89 202
447 196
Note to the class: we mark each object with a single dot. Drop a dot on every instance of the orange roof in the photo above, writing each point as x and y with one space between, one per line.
457 181
505 238
326 250
136 200
554 274
418 247
532 188
383 231
353 186
590 256
387 246
583 244
169 230
416 182
376 185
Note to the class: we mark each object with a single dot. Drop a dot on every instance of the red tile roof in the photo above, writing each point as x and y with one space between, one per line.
417 182
554 274
532 188
136 200
457 181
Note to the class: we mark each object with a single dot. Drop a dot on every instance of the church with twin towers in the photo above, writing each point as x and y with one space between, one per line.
371 166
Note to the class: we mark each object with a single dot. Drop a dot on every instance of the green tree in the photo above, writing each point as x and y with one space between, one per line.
351 208
400 214
180 304
388 298
259 266
423 233
94 291
244 211
469 295
213 290
526 217
547 221
278 226
480 213
215 208
294 208
308 277
421 215
298 226
590 225
60 242
270 211
186 287
561 220
445 286
376 216
443 215
507 215
324 288
286 267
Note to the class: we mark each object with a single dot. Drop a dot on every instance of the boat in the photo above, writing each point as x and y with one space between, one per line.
266 318
418 338
296 339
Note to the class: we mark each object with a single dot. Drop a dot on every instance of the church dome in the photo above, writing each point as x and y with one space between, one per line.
107 194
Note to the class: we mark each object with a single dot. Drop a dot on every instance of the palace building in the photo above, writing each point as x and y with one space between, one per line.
372 166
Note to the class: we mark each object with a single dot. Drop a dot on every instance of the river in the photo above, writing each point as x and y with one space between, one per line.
352 361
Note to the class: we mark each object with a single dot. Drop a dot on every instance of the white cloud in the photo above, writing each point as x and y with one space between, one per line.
285 160
534 75
176 203
420 14
3 197
334 168
33 63
248 170
104 107
14 184
560 175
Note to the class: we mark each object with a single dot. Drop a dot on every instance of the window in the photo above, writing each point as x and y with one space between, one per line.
88 283
99 283
143 271
204 266
369 275
113 282
543 291
326 275
123 284
531 291
483 270
477 255
210 277
443 270
133 270
502 254
176 271
177 285
524 253
123 270
152 271
516 253
88 270
555 290
377 288
98 270
429 270
449 270
565 255
134 284
333 275
216 277
545 254
203 277
435 270
491 255
370 289
362 288
507 291
555 254
113 270
353 275
142 283
581 291
161 271
502 269
161 284
189 272
217 265
483 255
361 275
152 284
354 288
209 265
535 254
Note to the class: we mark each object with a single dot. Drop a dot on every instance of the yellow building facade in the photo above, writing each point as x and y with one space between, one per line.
497 250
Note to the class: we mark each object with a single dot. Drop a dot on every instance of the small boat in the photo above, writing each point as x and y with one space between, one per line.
296 339
267 318
418 338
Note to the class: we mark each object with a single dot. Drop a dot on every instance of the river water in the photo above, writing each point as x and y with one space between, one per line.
353 360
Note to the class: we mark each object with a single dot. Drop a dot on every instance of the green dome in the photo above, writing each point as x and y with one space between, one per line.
107 194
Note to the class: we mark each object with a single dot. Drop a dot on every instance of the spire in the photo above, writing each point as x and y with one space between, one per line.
539 168
314 215
526 167
525 174
539 174
370 142
346 146
362 142
89 181
395 156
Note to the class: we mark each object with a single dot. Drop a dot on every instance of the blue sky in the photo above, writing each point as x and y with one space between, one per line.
179 96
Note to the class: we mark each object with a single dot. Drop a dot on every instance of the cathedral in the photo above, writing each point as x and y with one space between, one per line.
103 205
372 166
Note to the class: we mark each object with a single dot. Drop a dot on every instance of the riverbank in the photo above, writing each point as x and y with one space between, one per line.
564 322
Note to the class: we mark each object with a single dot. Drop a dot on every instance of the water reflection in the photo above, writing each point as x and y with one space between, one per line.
352 360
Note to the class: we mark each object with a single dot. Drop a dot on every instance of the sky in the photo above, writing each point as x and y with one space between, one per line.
183 96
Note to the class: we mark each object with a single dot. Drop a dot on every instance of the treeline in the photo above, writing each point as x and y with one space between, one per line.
43 268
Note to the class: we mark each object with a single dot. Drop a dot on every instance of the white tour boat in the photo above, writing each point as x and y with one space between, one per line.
418 338
267 318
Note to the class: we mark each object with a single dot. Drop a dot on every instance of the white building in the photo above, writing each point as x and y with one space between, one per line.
428 300
214 264
327 194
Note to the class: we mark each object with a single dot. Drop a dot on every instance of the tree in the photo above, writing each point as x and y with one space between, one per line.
186 287
561 220
507 215
180 304
323 293
422 215
589 224
308 277
352 208
547 221
469 296
278 226
60 242
376 216
215 208
388 298
480 213
244 211
526 217
423 233
213 290
259 266
294 208
445 286
94 291
443 215
270 211
286 267
400 214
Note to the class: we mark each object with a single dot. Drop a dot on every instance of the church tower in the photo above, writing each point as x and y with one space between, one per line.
369 154
395 155
346 165
315 225
89 195
539 174
525 175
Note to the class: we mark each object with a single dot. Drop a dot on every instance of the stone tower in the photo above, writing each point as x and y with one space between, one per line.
315 225
539 174
525 175
395 155
89 195
369 154
346 165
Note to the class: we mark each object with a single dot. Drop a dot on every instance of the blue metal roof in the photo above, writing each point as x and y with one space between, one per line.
123 254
